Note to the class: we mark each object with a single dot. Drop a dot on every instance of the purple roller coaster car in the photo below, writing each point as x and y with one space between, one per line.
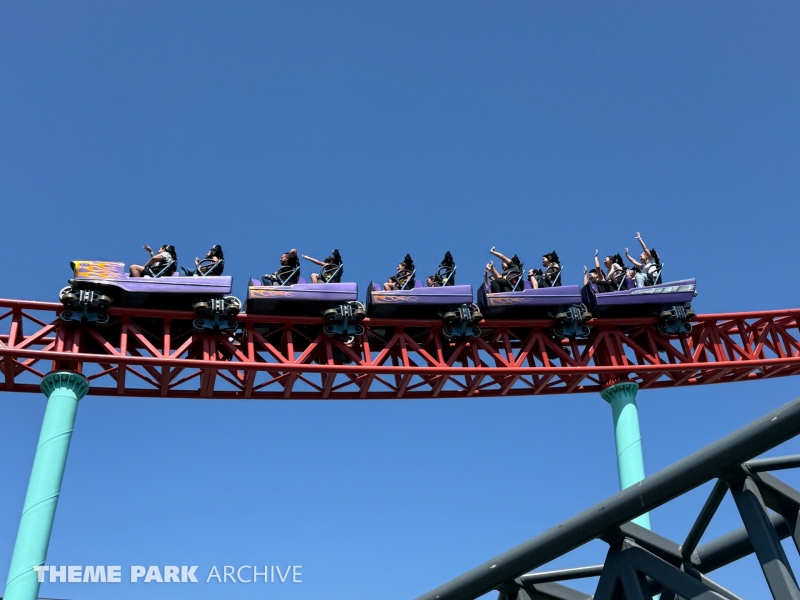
97 285
302 298
640 300
111 280
527 302
420 301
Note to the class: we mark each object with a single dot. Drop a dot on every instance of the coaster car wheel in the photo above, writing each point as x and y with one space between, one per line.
202 308
359 312
331 314
329 329
475 331
232 305
359 329
103 318
68 296
102 302
66 315
477 315
199 324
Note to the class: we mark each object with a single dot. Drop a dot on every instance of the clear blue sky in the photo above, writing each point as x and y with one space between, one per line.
380 129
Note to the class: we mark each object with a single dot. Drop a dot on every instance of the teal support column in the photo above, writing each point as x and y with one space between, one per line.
63 390
630 460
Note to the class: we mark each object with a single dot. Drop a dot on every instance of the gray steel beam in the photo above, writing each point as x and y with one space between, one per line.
609 587
766 543
783 499
734 449
704 518
773 464
662 547
732 546
561 574
777 495
667 575
634 582
551 591
726 593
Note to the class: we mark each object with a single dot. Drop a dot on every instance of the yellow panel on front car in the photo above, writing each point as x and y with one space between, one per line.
97 269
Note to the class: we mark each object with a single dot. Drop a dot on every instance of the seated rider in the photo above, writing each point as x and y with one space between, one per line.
549 276
446 273
288 273
505 281
648 270
630 279
616 270
595 281
213 256
331 271
166 253
404 279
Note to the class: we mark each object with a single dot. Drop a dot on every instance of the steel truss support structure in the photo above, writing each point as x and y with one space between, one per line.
640 563
158 353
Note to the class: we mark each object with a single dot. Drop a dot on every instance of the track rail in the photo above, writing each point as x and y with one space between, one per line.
153 353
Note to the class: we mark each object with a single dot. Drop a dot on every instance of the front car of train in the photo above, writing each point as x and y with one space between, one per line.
97 285
671 302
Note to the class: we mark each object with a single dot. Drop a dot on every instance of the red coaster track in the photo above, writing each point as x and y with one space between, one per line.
157 353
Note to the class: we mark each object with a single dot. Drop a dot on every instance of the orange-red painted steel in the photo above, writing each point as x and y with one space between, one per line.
157 353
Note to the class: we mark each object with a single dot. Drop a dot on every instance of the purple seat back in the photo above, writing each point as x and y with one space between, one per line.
301 280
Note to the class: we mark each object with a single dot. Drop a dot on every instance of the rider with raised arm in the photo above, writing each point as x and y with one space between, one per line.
288 273
595 281
647 267
404 279
166 253
511 271
201 267
549 276
331 271
616 270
